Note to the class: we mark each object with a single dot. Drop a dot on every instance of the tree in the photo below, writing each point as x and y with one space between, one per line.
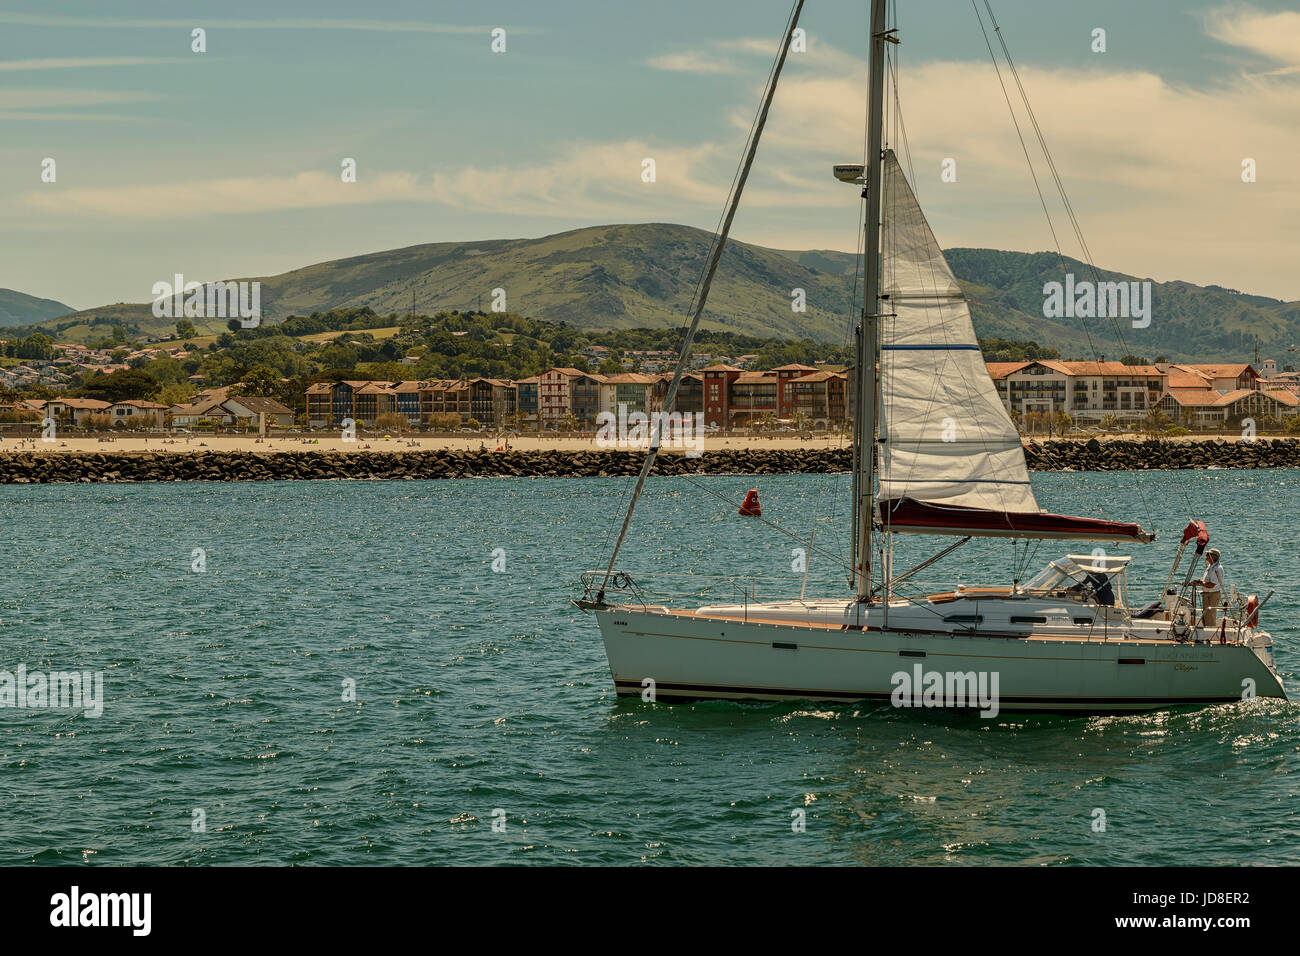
120 386
1155 423
185 329
391 422
1110 423
175 394
259 382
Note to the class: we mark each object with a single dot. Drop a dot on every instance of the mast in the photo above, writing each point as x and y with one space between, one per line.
866 376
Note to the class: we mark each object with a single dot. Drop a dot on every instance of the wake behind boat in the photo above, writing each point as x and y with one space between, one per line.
936 453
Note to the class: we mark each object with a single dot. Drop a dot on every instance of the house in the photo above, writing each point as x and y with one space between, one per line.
372 400
320 405
250 408
329 404
207 412
554 399
1205 406
1221 378
1212 394
406 401
690 393
135 413
75 410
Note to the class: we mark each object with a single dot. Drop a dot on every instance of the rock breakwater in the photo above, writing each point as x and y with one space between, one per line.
61 467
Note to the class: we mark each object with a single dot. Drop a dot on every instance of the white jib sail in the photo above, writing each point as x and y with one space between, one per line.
946 437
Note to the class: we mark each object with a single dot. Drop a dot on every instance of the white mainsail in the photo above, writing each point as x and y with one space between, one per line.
945 436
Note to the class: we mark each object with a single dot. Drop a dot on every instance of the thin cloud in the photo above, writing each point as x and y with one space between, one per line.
43 98
77 117
273 23
1274 35
71 63
693 61
237 195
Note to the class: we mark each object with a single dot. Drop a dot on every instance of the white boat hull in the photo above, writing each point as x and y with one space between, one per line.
791 651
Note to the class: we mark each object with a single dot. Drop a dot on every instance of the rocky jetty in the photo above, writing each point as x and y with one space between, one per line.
1153 454
47 467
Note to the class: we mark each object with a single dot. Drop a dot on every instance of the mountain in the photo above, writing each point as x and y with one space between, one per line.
644 275
19 308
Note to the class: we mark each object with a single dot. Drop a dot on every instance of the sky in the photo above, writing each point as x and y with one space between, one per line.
227 163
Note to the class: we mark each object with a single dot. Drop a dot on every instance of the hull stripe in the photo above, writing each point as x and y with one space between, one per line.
635 688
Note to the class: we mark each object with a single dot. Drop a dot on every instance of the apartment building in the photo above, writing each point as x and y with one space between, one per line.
819 398
562 392
784 397
526 400
492 401
1216 393
633 389
690 393
753 396
447 396
717 381
1086 391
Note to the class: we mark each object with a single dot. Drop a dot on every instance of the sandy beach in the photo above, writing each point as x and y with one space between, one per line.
333 442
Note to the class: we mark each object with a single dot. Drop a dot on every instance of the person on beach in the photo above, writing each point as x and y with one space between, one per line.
1212 587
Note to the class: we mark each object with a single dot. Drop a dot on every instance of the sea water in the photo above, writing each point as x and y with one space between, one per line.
391 672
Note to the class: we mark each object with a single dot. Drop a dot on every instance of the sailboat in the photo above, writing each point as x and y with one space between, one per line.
935 453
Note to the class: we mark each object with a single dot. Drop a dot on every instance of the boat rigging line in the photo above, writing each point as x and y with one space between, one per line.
715 254
1060 188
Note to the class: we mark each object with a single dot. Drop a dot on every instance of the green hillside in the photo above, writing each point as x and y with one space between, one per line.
644 276
18 308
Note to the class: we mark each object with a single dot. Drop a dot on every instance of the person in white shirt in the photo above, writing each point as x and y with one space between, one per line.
1212 587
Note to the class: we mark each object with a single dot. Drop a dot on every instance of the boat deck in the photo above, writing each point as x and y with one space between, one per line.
1094 633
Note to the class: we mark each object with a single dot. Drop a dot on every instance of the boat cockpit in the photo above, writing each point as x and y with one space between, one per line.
1087 578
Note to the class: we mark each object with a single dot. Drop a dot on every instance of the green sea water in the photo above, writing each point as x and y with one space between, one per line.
229 734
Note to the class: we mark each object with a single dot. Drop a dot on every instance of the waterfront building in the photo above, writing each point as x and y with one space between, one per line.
717 381
492 401
1086 391
632 389
819 398
526 400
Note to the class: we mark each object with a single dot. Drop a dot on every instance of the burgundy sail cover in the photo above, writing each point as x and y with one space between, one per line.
921 517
